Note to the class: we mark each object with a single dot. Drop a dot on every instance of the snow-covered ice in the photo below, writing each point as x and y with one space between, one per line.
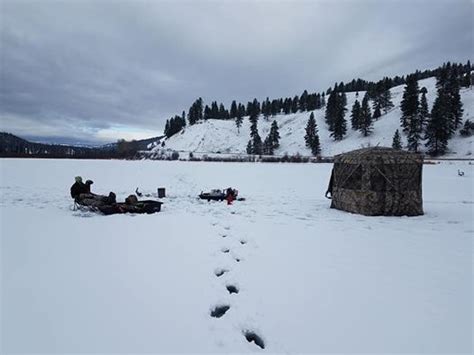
305 278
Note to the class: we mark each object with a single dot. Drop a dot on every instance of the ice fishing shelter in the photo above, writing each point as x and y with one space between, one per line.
378 181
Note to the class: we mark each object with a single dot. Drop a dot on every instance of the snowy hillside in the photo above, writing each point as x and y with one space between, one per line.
218 136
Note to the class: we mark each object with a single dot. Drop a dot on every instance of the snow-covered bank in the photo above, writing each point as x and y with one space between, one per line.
217 136
310 279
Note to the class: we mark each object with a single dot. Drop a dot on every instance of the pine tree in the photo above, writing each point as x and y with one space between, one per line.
267 146
409 105
257 146
256 141
397 142
365 122
355 115
446 114
377 113
423 112
311 138
167 128
274 136
233 110
339 128
295 104
438 129
249 147
303 103
468 129
455 103
331 110
238 121
386 100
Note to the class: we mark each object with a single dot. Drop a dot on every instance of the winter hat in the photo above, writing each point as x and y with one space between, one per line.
78 179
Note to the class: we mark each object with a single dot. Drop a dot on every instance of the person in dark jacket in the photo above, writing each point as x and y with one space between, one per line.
88 186
79 188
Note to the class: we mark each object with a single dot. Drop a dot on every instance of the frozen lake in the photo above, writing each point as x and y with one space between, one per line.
304 278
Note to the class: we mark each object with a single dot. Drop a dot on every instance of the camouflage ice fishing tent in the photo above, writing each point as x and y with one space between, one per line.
378 182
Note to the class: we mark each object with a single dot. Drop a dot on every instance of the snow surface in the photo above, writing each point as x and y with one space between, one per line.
214 136
310 279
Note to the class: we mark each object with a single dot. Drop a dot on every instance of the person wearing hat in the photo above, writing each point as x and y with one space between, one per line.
79 187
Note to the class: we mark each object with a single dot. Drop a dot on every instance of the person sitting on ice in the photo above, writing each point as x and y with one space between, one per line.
79 187
81 193
230 195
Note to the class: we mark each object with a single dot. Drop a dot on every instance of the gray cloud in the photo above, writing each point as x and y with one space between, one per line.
94 70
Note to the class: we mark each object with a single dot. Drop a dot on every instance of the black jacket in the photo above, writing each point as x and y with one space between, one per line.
78 188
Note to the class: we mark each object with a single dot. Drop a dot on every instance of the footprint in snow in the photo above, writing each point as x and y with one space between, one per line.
232 289
219 311
255 338
220 272
225 250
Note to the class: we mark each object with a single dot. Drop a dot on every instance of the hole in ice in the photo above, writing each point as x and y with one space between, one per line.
224 235
243 242
225 250
219 311
232 289
252 337
220 272
237 259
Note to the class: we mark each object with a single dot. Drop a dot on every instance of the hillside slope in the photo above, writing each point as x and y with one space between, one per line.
218 136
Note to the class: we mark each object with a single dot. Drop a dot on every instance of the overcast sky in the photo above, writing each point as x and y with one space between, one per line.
96 71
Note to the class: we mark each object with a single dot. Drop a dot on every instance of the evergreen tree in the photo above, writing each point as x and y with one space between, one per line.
207 113
174 125
365 122
438 129
386 100
295 104
446 114
355 115
267 146
331 110
303 102
249 147
339 125
256 141
233 110
266 109
468 129
274 136
410 104
455 104
167 128
397 142
257 146
195 112
311 137
377 113
238 121
466 80
423 112
214 110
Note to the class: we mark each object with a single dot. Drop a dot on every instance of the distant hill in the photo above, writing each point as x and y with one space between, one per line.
216 136
14 146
